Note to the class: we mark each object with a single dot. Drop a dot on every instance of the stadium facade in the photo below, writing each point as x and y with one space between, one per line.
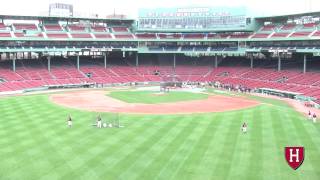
273 54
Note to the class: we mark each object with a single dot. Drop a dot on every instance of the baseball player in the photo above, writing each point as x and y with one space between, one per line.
99 122
314 118
310 115
69 122
244 127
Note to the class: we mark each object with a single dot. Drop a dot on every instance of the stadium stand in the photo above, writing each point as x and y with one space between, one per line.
24 26
146 36
300 34
124 36
193 36
57 35
5 34
268 43
52 27
280 35
81 35
169 36
98 28
77 28
260 35
269 27
120 29
288 27
36 35
103 35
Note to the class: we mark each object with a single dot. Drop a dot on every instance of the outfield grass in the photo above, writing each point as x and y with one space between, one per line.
151 97
36 144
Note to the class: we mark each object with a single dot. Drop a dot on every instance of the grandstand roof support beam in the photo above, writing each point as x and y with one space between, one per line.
78 62
216 61
304 63
105 60
14 64
251 61
174 60
137 59
49 63
279 63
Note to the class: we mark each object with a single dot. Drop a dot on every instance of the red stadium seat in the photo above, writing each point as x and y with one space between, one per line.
120 29
81 35
57 35
103 36
23 26
260 35
53 27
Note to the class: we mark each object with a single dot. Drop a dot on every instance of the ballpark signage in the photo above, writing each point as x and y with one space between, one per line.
294 156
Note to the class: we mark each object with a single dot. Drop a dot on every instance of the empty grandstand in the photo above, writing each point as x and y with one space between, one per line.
278 53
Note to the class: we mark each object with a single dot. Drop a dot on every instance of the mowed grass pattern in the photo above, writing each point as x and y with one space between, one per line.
153 97
36 144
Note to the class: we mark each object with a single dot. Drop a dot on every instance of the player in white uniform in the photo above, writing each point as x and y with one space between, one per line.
99 122
314 118
69 122
310 115
244 127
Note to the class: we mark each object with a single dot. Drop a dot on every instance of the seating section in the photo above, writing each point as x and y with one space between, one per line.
98 28
79 31
194 36
35 35
81 35
260 35
36 76
52 27
23 26
218 36
300 34
146 36
169 36
3 27
309 25
240 35
288 27
57 35
317 33
280 35
269 27
77 28
120 29
124 36
103 35
5 34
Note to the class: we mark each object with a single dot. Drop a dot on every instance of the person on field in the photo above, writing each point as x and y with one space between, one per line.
69 122
244 127
314 117
310 115
99 122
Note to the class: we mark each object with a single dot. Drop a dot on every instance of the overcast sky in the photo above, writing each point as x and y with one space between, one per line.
130 7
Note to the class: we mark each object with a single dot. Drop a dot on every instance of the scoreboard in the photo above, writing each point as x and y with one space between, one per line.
199 18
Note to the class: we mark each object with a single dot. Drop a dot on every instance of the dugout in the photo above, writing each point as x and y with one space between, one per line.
275 92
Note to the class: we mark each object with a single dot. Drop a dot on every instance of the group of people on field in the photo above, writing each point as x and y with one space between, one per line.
312 117
98 123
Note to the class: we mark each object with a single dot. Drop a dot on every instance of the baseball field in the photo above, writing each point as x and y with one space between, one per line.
35 142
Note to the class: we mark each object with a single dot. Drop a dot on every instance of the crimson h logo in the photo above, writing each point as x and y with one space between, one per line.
294 156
